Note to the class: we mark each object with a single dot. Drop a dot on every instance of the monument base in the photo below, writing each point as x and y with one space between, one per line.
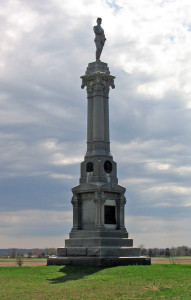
111 261
104 248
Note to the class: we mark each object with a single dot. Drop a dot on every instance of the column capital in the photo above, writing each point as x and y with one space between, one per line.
122 200
99 81
99 198
75 199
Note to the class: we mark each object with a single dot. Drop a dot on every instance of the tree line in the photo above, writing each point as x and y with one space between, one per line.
46 252
173 251
27 253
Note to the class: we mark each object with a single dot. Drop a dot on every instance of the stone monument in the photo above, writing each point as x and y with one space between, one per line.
98 236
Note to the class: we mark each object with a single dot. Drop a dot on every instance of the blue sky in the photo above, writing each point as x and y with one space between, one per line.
45 48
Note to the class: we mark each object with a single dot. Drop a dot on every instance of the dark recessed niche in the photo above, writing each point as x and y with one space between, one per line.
109 215
108 166
89 167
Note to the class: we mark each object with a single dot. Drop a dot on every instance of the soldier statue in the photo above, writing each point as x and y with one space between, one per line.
99 38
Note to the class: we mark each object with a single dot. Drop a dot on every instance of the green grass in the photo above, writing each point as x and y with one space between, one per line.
74 282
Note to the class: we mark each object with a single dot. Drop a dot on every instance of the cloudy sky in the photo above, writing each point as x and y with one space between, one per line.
45 48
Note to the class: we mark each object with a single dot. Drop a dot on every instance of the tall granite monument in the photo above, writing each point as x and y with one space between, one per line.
98 236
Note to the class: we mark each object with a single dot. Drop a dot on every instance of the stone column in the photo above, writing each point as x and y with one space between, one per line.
98 81
98 116
99 218
122 212
89 122
75 203
90 119
106 119
118 214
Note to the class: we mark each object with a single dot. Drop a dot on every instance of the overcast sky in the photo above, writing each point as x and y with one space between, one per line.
45 48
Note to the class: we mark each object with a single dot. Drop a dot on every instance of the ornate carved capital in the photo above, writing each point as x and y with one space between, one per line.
98 81
99 198
122 200
75 200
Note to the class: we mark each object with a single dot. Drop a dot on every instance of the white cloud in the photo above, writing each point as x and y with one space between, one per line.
33 242
19 158
60 176
154 39
30 217
164 189
157 232
26 229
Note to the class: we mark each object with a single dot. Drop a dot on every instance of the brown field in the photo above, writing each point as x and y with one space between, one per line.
184 260
26 262
178 260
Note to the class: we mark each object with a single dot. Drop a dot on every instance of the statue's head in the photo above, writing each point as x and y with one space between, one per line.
99 20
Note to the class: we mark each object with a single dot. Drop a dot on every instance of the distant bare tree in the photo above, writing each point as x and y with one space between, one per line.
29 254
13 253
19 260
167 252
143 250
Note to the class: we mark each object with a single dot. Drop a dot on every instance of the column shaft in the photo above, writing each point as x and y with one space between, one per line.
90 120
106 119
98 118
118 214
122 211
122 221
99 219
75 204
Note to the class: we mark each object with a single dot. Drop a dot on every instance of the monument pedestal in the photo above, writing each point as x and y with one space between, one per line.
98 236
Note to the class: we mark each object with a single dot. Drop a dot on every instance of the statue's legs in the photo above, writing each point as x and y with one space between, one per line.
99 48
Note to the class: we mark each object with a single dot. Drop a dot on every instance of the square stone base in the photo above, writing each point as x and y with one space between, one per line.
99 261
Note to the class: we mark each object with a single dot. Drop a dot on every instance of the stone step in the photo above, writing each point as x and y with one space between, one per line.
99 251
93 242
113 251
101 262
94 234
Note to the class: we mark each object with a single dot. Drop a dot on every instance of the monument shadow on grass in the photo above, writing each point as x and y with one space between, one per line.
74 273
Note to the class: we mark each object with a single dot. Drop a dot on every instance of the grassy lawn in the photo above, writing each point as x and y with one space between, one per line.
74 282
